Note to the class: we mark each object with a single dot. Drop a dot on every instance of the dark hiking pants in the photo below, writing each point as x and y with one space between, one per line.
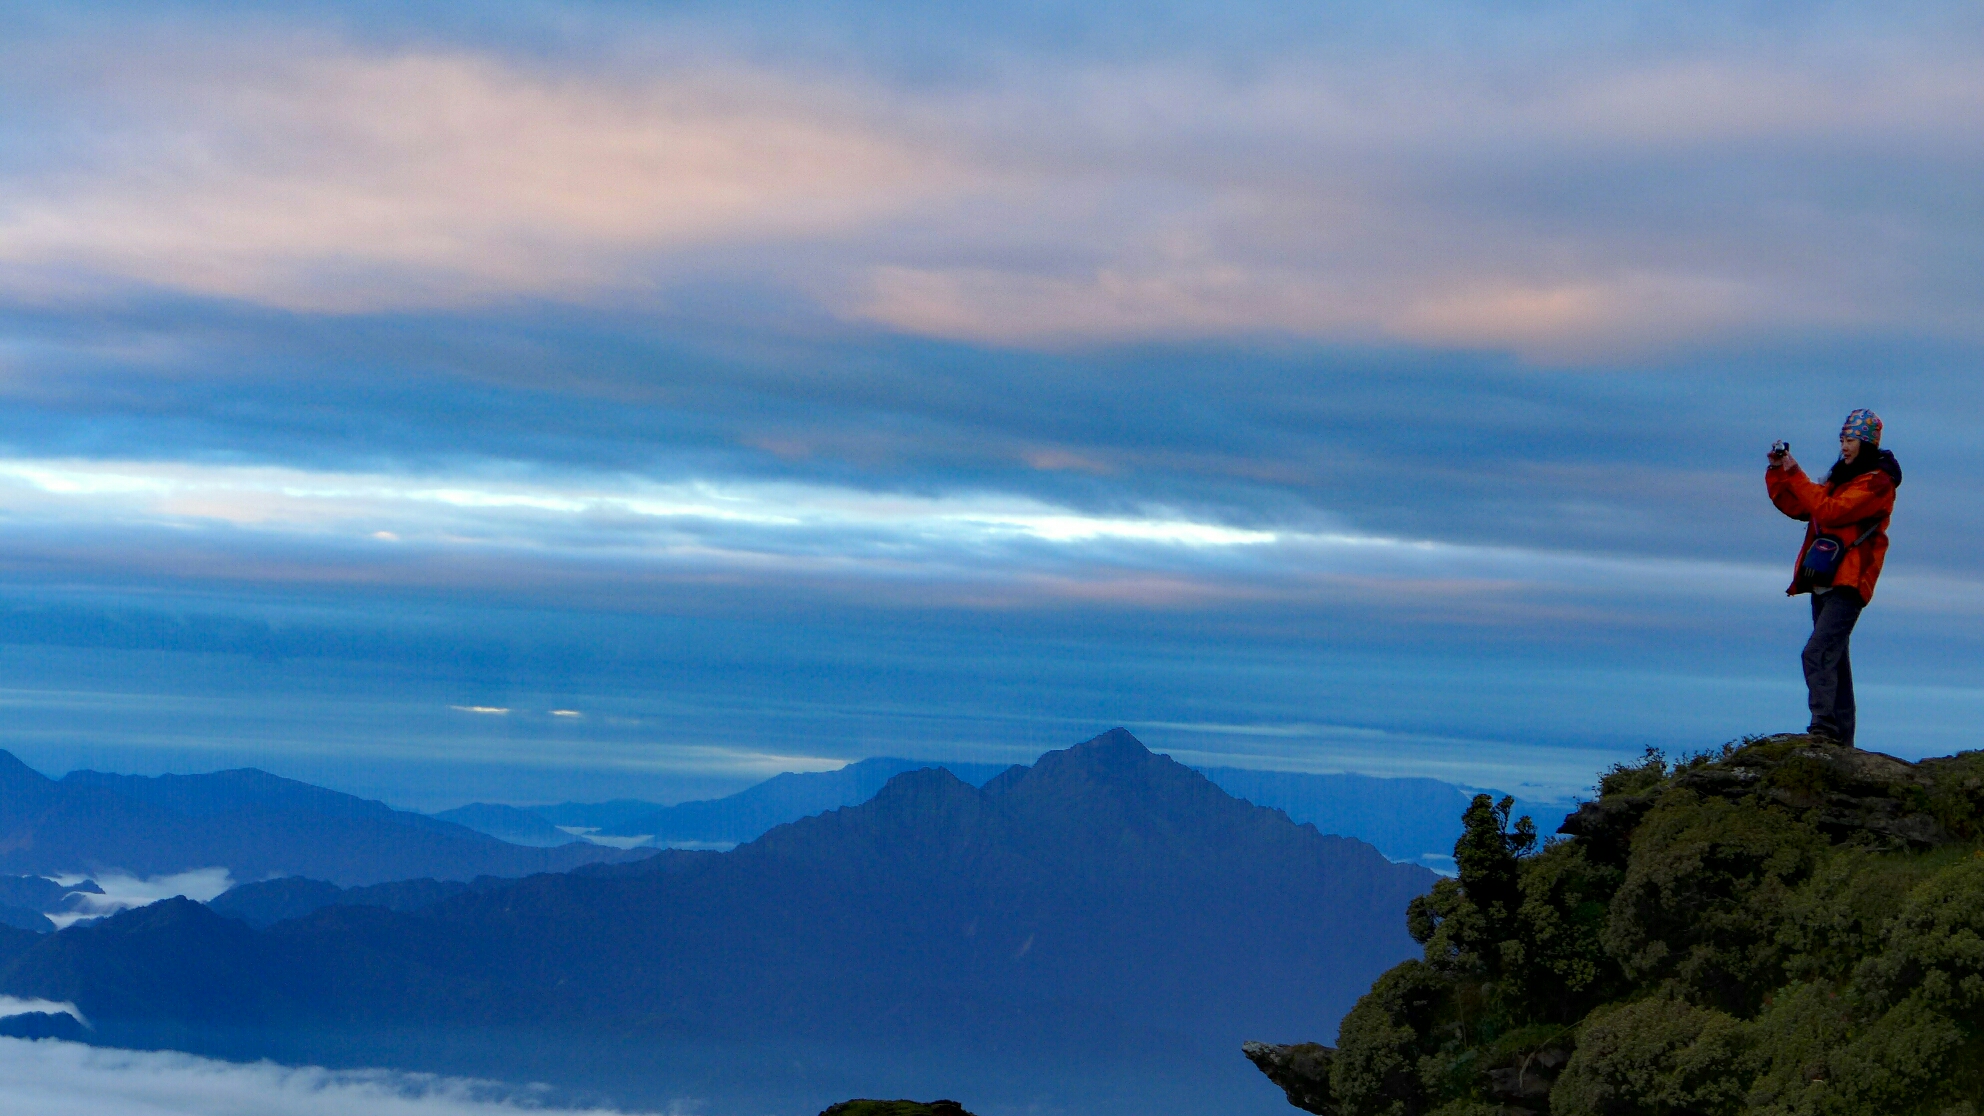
1828 670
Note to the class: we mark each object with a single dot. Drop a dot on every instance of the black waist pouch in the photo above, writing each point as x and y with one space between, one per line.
1822 560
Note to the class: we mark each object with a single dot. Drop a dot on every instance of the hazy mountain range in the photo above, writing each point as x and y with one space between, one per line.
1406 819
251 823
1101 930
268 902
731 820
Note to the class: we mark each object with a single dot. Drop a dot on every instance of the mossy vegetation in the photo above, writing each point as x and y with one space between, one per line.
1781 927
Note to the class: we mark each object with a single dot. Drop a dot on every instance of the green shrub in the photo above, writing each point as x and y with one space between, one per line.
1704 895
1395 1027
1710 951
1656 1057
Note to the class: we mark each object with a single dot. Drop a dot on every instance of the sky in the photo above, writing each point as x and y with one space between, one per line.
607 400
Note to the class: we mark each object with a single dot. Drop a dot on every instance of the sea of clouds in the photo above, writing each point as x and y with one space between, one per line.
53 1078
123 891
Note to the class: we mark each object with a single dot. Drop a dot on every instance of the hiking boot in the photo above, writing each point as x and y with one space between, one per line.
1822 735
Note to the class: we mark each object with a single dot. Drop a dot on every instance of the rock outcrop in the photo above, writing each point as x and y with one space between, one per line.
1302 1070
1864 798
896 1108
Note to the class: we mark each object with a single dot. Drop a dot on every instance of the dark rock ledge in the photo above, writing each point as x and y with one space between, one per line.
896 1108
1302 1070
1866 798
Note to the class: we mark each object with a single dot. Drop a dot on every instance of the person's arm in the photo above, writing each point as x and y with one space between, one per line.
1867 496
1791 490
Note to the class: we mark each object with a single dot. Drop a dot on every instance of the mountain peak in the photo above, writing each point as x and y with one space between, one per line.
1114 753
924 784
162 915
1113 756
23 790
923 809
13 771
1115 741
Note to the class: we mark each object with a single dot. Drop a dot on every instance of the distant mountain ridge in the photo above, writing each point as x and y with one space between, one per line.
748 814
27 901
508 823
250 822
1102 902
1408 819
712 822
607 817
264 904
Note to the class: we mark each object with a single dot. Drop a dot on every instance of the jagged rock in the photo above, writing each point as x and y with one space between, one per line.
1302 1070
896 1108
1606 825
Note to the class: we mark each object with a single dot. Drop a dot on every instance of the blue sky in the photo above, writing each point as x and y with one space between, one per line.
1317 387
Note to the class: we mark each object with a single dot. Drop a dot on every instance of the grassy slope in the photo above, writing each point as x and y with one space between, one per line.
1781 928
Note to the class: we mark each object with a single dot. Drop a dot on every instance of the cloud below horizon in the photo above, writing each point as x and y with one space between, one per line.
53 1078
14 1005
122 891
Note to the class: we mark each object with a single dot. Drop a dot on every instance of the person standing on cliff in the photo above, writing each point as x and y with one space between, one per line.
1846 541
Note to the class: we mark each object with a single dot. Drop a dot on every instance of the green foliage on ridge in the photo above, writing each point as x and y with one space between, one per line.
1784 928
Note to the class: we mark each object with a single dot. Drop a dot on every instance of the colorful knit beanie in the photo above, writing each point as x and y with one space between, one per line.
1864 425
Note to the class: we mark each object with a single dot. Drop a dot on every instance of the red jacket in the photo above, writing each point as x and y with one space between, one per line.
1855 508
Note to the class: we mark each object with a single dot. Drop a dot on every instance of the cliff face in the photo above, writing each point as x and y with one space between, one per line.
1786 927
